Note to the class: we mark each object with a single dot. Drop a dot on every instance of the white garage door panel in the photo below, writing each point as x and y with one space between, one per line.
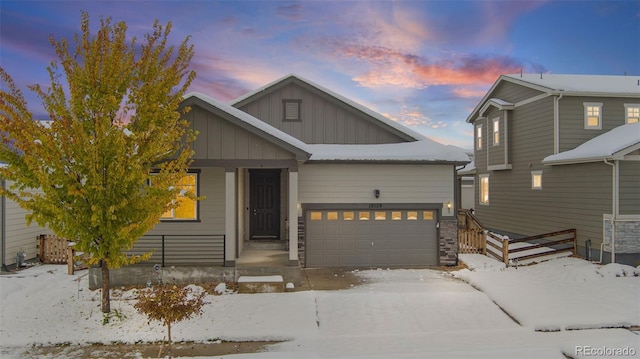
371 238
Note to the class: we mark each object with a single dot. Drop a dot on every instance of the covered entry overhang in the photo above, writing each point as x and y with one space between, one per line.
260 175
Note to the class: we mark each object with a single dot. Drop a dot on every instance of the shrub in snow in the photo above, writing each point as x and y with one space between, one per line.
618 270
221 288
170 304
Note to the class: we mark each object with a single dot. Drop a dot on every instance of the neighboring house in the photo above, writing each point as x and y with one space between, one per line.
341 184
15 236
466 185
554 152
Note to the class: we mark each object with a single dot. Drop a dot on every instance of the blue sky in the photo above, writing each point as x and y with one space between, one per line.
425 64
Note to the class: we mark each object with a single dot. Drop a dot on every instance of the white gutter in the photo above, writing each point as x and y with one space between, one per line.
614 211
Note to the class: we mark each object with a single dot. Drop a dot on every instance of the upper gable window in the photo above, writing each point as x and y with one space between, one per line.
592 116
479 137
291 110
631 112
496 131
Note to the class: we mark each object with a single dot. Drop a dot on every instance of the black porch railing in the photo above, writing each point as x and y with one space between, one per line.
181 249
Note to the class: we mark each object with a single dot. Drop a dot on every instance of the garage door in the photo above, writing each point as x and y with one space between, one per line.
369 238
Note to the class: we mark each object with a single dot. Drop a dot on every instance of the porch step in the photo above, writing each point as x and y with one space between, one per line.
265 244
261 284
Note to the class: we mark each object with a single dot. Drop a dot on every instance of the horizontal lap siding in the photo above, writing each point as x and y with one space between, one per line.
572 131
18 236
629 187
355 183
204 250
513 93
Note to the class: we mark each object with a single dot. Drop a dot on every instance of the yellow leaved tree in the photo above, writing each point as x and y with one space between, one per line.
109 161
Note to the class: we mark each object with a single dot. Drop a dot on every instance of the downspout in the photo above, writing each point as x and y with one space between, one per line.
458 189
556 124
614 210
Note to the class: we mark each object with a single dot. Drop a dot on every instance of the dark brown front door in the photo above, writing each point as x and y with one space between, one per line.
265 204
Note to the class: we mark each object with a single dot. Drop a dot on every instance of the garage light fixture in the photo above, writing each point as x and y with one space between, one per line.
449 206
376 193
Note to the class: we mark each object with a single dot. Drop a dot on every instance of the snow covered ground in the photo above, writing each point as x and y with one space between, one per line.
397 314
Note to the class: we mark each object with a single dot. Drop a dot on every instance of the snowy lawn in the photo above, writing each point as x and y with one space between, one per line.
396 314
561 294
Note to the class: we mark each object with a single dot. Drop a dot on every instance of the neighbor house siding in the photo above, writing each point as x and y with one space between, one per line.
495 152
322 118
572 131
348 183
513 93
219 139
18 236
629 187
211 211
572 196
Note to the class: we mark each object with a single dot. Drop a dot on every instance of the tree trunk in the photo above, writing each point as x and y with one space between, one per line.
106 302
169 336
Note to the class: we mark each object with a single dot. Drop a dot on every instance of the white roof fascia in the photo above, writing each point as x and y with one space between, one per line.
498 103
568 85
385 120
612 145
250 120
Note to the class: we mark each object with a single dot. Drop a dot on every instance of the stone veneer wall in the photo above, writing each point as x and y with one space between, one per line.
449 242
627 235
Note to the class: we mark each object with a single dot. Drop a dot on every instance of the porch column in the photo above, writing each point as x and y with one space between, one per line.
230 217
293 216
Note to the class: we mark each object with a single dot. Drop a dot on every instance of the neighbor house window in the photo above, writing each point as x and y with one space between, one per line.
188 208
536 179
592 116
496 131
291 109
479 137
632 112
484 189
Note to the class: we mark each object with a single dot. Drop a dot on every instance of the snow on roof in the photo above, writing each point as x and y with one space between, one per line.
425 150
407 131
469 169
596 84
247 118
610 145
418 151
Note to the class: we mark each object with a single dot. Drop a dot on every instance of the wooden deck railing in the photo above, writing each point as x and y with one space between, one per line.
474 238
471 233
510 251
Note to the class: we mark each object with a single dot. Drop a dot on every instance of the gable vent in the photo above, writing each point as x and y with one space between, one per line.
292 110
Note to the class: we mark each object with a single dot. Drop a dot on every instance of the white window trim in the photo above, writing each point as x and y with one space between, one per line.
480 197
533 181
496 131
586 117
479 136
627 106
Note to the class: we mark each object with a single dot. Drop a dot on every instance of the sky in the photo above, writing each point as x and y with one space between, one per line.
425 64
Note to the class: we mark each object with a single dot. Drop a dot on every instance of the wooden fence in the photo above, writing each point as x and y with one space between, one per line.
56 250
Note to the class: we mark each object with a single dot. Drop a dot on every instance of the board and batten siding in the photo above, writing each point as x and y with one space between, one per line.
18 236
323 119
220 139
211 183
398 183
572 131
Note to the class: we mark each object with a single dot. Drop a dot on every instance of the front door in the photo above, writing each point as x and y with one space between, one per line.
264 208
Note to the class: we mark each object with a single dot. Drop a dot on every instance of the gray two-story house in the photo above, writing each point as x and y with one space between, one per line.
554 152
